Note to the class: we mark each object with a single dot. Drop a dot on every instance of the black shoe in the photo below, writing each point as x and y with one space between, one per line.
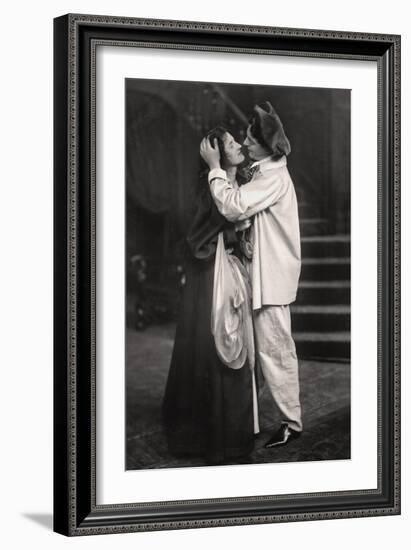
284 435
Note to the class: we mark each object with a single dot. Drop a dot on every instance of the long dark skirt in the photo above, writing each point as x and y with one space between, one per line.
208 407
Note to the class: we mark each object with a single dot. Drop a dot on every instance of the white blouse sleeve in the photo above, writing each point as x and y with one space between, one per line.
262 191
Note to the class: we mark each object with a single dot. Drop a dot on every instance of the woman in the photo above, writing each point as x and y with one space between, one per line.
208 407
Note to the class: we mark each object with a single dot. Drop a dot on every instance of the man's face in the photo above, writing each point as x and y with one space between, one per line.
232 150
255 150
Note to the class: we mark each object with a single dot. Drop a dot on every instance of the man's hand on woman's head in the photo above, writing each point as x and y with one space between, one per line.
210 153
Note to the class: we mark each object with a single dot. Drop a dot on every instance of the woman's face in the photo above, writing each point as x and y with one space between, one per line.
232 150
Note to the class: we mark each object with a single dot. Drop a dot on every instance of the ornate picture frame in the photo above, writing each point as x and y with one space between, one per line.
76 40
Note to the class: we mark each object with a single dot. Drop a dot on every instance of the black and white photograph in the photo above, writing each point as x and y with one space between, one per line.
237 274
204 284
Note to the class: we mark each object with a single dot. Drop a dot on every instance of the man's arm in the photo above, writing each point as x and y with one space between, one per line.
239 204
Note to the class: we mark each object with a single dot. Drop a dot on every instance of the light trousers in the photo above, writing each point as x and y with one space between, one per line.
276 355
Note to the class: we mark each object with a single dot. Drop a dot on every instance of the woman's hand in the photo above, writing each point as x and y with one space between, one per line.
210 153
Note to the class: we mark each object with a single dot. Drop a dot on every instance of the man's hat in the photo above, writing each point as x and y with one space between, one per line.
266 127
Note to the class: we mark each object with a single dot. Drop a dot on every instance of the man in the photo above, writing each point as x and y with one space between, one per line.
269 198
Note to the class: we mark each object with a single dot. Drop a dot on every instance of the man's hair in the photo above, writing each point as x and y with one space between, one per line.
257 133
256 130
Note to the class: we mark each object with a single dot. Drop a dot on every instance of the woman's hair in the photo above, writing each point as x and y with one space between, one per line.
218 133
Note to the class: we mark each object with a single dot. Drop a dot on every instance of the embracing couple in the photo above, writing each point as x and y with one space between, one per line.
242 273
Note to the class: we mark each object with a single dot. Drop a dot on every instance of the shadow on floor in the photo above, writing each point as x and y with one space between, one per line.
45 520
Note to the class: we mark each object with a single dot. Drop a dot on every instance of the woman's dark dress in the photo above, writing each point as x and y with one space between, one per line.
208 407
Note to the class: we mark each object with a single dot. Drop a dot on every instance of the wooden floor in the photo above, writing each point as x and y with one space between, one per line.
325 398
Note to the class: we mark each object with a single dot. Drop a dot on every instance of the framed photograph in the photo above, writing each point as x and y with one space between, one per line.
227 274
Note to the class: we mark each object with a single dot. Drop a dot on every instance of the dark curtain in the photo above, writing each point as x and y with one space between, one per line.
151 160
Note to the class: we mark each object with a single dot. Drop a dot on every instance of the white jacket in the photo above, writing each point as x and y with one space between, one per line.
270 197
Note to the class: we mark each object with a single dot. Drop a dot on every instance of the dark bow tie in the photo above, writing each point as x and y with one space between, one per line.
251 170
